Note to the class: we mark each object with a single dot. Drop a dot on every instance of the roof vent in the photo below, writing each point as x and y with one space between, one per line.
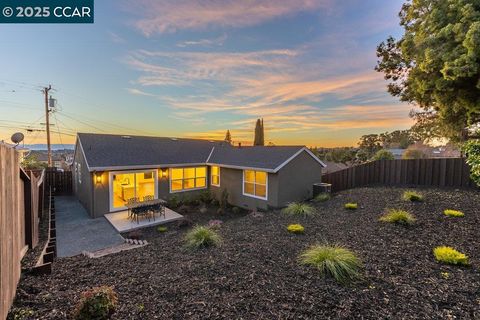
173 139
126 137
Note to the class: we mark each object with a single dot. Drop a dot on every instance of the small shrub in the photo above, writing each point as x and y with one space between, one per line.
445 275
413 196
215 203
236 210
453 213
97 303
322 197
398 216
200 237
162 229
299 209
224 200
295 228
336 261
205 196
351 206
450 256
173 202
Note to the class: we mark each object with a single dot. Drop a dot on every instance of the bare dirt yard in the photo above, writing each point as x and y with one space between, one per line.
255 273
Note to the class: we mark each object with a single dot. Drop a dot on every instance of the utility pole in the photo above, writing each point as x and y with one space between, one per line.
47 114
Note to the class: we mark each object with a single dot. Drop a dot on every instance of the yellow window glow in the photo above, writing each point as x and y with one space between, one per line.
189 173
249 188
200 182
260 190
201 172
177 174
260 177
249 176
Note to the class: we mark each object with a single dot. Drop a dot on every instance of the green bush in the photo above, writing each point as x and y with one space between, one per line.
173 202
299 209
351 206
162 229
383 154
295 228
453 213
322 197
336 261
413 196
97 303
236 210
472 150
450 256
205 196
398 216
201 236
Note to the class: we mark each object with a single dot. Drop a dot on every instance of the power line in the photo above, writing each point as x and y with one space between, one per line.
85 123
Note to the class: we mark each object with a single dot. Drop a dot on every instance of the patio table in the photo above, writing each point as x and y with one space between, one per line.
143 207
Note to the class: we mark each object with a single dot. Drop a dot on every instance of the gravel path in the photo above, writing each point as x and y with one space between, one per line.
255 273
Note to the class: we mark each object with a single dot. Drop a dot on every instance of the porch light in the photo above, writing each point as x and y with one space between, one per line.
98 177
164 173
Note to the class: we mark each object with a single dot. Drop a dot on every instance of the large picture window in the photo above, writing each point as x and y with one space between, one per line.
255 184
132 186
215 176
182 179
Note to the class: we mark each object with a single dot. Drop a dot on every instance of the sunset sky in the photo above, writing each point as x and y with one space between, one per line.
197 68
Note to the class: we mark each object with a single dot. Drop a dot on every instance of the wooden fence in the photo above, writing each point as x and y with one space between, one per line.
442 172
60 181
20 211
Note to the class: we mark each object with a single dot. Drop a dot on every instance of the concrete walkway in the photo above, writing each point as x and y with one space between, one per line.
77 232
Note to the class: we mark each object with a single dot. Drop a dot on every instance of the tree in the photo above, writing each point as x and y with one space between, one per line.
32 163
427 126
370 143
436 64
259 139
383 154
472 150
228 137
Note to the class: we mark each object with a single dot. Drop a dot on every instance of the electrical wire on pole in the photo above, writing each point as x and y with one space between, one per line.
47 113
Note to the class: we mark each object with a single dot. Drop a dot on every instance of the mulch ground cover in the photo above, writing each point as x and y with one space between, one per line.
255 273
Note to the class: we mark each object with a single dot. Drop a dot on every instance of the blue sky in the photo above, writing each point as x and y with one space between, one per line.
197 68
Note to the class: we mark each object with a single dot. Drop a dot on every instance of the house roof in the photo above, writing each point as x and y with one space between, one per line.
271 158
116 152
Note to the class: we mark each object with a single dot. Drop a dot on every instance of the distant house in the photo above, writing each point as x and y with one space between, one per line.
42 157
333 166
111 169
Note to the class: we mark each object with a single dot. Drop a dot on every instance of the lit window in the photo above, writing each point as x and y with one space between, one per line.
255 183
215 176
188 178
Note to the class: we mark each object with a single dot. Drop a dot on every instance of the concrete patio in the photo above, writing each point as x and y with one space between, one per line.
77 232
122 223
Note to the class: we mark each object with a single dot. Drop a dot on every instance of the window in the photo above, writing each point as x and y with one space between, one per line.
255 184
129 185
182 179
215 176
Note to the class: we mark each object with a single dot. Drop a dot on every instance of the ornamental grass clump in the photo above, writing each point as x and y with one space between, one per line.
201 237
412 196
453 213
398 216
162 229
351 206
299 209
449 255
97 303
295 228
322 197
340 263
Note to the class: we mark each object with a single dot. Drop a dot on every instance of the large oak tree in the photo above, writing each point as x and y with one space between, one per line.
436 63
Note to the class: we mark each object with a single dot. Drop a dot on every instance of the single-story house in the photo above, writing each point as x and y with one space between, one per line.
110 169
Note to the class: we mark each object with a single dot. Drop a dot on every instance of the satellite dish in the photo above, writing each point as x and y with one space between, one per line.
17 137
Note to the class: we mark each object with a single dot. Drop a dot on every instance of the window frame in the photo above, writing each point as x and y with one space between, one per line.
170 180
255 184
212 175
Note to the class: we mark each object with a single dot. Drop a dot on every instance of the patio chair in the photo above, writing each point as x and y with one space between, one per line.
142 211
129 202
148 198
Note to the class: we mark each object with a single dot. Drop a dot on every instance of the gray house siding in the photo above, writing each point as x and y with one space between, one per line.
232 180
82 190
296 179
101 192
